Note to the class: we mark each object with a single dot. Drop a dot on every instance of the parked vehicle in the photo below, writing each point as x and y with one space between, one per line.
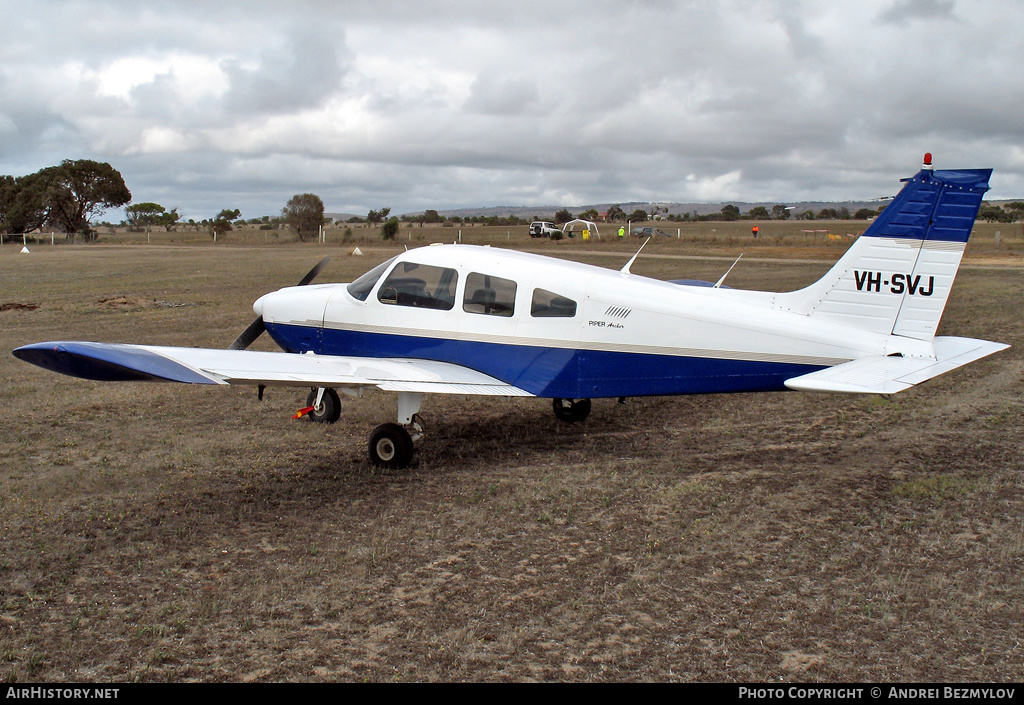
648 232
542 228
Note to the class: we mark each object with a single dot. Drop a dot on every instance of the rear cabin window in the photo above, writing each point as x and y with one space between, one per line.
420 286
548 304
491 296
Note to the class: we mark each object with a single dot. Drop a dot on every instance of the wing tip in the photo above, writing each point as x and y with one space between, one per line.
108 362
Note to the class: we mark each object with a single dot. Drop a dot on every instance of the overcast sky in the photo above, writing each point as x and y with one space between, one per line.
413 105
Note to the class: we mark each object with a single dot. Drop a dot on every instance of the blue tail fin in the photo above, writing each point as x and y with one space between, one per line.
896 278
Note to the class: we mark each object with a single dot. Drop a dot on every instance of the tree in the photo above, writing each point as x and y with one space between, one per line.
77 191
305 214
390 229
142 215
758 212
222 223
994 214
219 226
145 215
1015 208
169 219
730 212
22 204
780 212
375 217
430 216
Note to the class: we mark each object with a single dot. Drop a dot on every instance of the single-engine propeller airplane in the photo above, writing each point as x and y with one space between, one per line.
466 320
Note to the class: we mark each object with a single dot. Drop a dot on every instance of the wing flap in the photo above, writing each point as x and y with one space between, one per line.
888 375
109 362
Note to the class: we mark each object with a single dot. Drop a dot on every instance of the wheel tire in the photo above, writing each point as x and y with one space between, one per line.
571 410
330 406
390 446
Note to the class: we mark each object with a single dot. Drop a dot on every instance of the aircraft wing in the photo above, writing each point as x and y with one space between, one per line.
117 362
888 375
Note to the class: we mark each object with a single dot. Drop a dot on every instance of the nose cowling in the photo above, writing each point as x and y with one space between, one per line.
256 328
295 305
257 305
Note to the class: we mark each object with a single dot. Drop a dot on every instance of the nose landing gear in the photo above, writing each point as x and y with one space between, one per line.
571 410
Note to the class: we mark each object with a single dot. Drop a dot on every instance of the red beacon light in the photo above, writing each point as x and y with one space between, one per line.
927 161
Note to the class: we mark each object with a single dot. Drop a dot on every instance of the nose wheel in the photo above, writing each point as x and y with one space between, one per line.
571 410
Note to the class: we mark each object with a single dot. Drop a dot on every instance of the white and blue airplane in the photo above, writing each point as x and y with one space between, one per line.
471 320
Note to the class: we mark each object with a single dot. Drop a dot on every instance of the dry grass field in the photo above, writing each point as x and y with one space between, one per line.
157 532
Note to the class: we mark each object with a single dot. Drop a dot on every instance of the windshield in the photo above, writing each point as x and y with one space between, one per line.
361 287
420 285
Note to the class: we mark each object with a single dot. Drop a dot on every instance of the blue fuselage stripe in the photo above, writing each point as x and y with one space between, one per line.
555 372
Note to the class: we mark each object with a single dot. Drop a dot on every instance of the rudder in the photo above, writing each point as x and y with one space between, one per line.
897 276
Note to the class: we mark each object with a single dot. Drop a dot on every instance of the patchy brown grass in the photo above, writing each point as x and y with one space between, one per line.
164 532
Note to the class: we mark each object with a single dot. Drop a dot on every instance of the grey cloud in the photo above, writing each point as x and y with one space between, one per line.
301 73
903 11
461 103
498 95
804 43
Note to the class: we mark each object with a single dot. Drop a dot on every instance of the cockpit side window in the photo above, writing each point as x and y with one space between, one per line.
362 286
489 295
420 286
548 304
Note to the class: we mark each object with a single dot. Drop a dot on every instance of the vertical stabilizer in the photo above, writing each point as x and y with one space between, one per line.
897 276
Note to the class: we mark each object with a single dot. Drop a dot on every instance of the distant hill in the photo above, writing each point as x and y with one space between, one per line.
548 212
342 217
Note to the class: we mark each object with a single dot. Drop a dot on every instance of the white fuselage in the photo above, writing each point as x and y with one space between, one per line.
626 335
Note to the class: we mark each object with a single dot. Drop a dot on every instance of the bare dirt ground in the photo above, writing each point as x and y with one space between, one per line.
166 533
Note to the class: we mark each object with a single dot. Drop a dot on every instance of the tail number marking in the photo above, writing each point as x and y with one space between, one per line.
897 283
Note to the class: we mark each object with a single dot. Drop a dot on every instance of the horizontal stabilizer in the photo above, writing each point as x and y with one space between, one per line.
888 375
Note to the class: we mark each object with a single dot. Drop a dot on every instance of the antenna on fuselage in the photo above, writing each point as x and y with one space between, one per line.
719 282
625 270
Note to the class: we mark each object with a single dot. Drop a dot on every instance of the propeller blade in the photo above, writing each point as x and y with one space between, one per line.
311 274
256 328
249 335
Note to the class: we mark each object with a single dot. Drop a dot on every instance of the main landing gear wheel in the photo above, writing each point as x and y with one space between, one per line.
329 410
571 410
390 446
